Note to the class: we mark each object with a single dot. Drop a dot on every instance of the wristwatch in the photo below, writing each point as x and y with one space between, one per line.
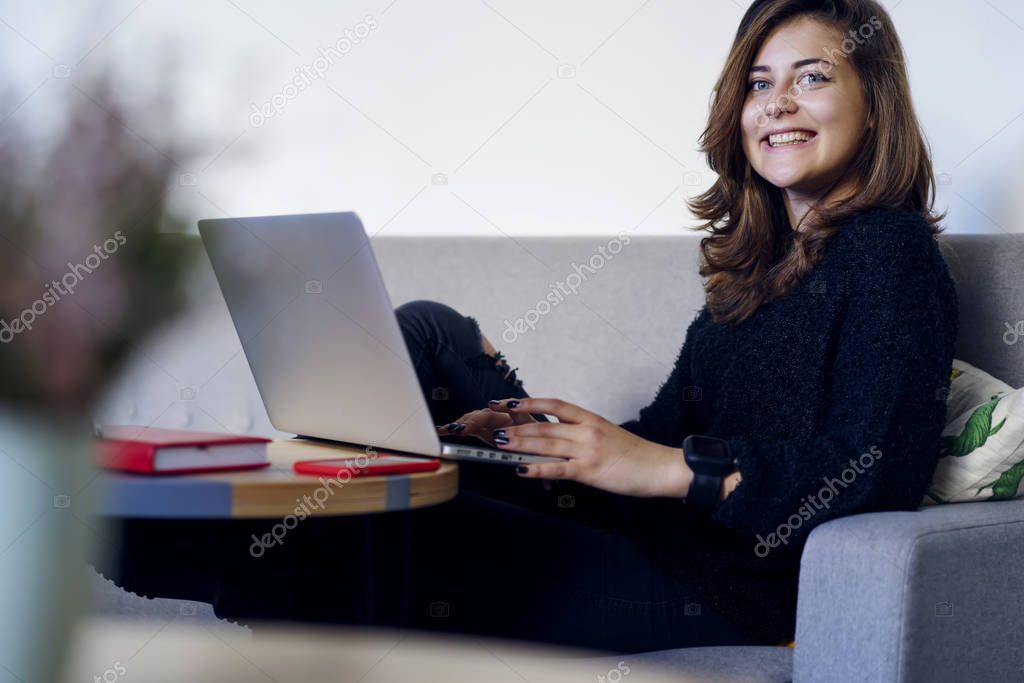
711 461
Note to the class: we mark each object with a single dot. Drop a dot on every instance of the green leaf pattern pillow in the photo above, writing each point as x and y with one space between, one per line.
981 451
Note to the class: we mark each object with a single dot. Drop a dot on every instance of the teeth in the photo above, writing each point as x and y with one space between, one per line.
793 137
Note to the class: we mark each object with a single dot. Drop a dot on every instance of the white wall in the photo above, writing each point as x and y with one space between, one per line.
473 90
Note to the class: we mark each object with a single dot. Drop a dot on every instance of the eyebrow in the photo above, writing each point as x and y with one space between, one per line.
796 65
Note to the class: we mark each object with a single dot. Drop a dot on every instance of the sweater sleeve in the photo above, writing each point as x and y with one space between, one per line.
665 420
878 444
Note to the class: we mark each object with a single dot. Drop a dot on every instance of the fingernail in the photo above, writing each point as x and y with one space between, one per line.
459 426
498 432
501 440
513 403
451 426
494 402
522 470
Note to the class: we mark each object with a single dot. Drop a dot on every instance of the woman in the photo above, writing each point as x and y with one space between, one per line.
817 368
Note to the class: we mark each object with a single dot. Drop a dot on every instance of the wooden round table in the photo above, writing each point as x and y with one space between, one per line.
274 491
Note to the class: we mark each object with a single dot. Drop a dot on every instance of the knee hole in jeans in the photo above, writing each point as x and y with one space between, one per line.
499 359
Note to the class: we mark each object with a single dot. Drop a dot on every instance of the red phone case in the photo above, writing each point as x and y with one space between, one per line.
380 464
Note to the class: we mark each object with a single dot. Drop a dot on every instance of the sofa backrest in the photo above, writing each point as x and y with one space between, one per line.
989 274
594 320
610 345
598 330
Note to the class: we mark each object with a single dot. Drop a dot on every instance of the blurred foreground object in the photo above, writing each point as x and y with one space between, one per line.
91 260
183 649
89 266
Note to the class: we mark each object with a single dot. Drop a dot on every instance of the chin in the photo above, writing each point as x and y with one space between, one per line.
784 181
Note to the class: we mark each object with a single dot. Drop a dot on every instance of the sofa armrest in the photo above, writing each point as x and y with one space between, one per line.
931 595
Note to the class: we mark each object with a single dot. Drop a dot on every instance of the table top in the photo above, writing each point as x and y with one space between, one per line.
274 491
181 649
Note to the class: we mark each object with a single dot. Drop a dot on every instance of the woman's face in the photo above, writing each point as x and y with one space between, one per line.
802 81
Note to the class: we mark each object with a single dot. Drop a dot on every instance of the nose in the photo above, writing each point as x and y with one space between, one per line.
783 103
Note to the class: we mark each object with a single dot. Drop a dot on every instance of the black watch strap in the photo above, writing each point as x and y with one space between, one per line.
705 491
710 461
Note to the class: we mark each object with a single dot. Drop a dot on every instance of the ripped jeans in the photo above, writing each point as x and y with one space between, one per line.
506 557
510 558
455 373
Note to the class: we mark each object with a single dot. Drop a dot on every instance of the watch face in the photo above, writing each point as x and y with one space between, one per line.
707 455
710 446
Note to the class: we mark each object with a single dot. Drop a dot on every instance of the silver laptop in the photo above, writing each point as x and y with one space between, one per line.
321 336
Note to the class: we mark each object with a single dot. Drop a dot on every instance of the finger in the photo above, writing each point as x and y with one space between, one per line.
456 427
547 470
479 420
517 418
484 421
551 430
522 418
563 410
486 416
559 448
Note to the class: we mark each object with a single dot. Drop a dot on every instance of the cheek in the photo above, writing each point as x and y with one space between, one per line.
842 126
841 143
851 133
749 127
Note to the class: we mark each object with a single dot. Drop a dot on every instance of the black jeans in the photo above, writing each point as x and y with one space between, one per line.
509 558
506 557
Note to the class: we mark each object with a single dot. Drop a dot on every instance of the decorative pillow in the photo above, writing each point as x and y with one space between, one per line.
981 451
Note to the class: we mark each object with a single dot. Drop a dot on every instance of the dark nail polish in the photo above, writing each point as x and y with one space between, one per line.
459 426
451 426
501 440
498 432
522 470
513 403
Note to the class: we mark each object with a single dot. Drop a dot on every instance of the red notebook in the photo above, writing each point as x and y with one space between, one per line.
172 451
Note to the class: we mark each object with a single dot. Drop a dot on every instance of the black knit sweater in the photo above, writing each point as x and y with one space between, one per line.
835 392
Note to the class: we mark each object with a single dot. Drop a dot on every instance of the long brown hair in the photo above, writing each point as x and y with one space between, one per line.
752 255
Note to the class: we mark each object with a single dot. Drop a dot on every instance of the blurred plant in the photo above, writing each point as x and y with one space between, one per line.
92 259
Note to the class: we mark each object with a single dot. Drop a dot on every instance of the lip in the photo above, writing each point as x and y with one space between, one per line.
788 148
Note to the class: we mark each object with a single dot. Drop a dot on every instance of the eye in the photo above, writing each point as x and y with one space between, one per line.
752 85
820 77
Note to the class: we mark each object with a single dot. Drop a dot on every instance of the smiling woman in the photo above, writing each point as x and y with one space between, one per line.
827 333
811 122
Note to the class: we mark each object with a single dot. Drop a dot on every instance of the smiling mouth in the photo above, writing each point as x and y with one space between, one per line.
795 138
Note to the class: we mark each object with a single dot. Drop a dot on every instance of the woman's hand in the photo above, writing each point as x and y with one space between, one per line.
481 424
600 453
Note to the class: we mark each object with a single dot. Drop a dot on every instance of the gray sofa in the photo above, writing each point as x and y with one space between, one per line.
931 595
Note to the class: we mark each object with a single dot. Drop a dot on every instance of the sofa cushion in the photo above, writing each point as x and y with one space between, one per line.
969 387
982 446
746 664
